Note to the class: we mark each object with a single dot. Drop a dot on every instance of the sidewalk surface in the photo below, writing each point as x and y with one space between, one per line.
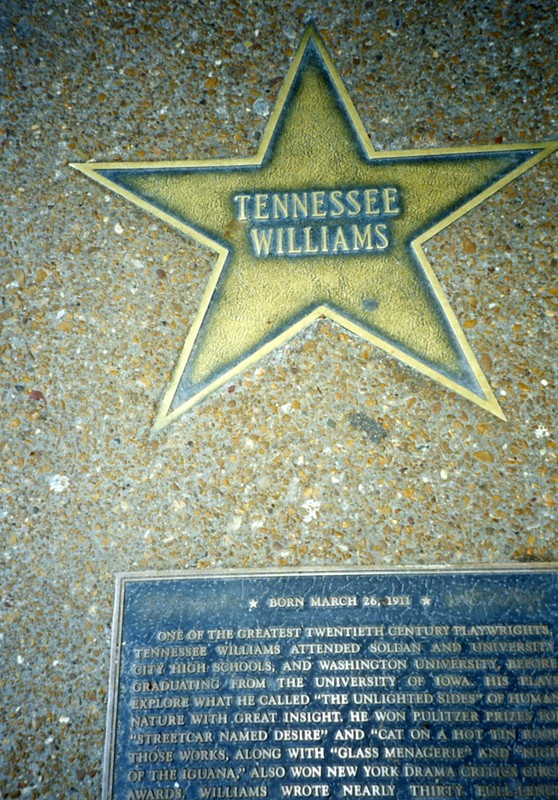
328 451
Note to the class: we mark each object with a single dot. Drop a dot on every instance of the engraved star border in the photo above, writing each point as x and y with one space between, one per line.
382 289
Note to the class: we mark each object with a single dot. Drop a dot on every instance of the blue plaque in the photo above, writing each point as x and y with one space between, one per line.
409 683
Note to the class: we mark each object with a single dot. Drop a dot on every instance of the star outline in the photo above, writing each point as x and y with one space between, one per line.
165 414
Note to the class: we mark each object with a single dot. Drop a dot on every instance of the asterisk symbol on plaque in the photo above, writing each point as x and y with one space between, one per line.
426 601
252 604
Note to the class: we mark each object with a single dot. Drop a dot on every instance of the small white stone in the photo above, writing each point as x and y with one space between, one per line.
58 483
235 523
261 107
541 432
118 228
311 506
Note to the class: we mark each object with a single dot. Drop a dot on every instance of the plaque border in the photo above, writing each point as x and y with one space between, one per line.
123 578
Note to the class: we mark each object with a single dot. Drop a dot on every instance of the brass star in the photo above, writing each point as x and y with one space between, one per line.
320 224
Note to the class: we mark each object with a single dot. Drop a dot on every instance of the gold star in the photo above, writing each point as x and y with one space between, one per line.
319 224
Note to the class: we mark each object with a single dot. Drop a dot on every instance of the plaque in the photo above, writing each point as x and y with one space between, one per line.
401 683
318 224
